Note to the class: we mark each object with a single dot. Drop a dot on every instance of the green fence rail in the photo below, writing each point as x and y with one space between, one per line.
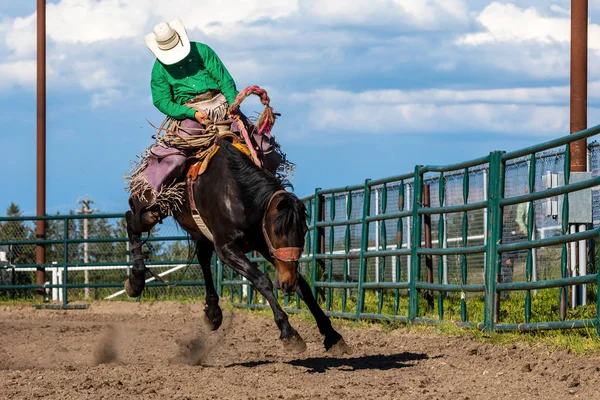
372 250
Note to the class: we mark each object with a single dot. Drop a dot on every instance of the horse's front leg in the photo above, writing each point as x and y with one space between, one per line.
334 343
137 279
232 255
212 310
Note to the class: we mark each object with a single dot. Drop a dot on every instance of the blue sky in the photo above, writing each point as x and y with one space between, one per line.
366 89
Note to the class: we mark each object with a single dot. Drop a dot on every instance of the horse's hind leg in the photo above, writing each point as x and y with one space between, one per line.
136 282
212 310
334 343
236 259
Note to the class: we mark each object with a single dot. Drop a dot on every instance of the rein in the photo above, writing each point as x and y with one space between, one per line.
265 121
286 254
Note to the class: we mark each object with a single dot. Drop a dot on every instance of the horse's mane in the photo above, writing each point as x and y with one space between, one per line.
257 185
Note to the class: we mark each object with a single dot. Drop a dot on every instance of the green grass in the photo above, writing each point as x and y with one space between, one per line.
20 302
581 342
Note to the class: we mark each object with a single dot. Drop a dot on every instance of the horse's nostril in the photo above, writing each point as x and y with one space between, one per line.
284 286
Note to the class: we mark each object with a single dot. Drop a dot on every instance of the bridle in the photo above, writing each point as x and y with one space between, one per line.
286 254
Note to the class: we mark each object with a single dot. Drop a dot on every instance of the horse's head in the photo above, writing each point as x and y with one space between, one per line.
284 228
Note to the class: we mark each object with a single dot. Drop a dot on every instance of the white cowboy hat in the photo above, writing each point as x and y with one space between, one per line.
169 42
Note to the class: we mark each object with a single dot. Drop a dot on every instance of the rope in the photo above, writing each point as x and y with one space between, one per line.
173 138
265 121
203 143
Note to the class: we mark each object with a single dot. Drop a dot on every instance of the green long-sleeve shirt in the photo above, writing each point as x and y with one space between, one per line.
201 70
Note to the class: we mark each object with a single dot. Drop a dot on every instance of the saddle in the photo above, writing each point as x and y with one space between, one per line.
201 160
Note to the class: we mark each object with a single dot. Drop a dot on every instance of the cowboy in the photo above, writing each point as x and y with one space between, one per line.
186 73
192 87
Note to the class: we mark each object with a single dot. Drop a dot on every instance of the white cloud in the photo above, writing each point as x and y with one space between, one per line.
431 118
532 42
434 12
91 21
17 74
314 43
425 15
19 36
91 76
535 95
509 23
560 10
78 22
517 111
105 98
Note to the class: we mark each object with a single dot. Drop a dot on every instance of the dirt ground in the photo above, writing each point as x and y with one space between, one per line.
164 351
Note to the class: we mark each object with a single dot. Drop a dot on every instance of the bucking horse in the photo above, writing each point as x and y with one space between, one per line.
245 208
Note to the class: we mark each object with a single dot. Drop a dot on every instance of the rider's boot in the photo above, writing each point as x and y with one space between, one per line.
144 214
142 218
272 161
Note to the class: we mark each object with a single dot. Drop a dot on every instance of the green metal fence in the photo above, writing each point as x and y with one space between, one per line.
93 267
383 250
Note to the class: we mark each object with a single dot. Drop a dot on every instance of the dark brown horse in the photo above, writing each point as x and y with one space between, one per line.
246 209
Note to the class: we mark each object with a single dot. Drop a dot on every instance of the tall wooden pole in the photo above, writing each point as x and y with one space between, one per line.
40 230
579 50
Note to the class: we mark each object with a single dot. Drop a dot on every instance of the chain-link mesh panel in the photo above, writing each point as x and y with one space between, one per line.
105 259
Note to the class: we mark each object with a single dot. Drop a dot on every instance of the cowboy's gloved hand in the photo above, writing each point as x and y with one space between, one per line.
200 116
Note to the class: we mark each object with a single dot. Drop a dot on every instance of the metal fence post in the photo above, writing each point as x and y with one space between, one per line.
598 293
415 259
494 235
65 260
316 240
364 244
428 244
442 260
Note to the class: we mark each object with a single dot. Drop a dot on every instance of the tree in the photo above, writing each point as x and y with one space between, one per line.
18 254
17 231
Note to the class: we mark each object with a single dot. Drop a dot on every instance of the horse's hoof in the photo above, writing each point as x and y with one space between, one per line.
294 344
340 348
214 317
132 290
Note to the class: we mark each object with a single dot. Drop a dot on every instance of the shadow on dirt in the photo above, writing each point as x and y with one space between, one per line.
323 364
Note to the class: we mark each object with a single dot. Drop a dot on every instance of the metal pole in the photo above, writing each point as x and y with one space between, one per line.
579 49
484 212
85 210
445 246
582 265
377 232
55 290
534 259
86 274
573 259
428 258
408 232
348 267
40 226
